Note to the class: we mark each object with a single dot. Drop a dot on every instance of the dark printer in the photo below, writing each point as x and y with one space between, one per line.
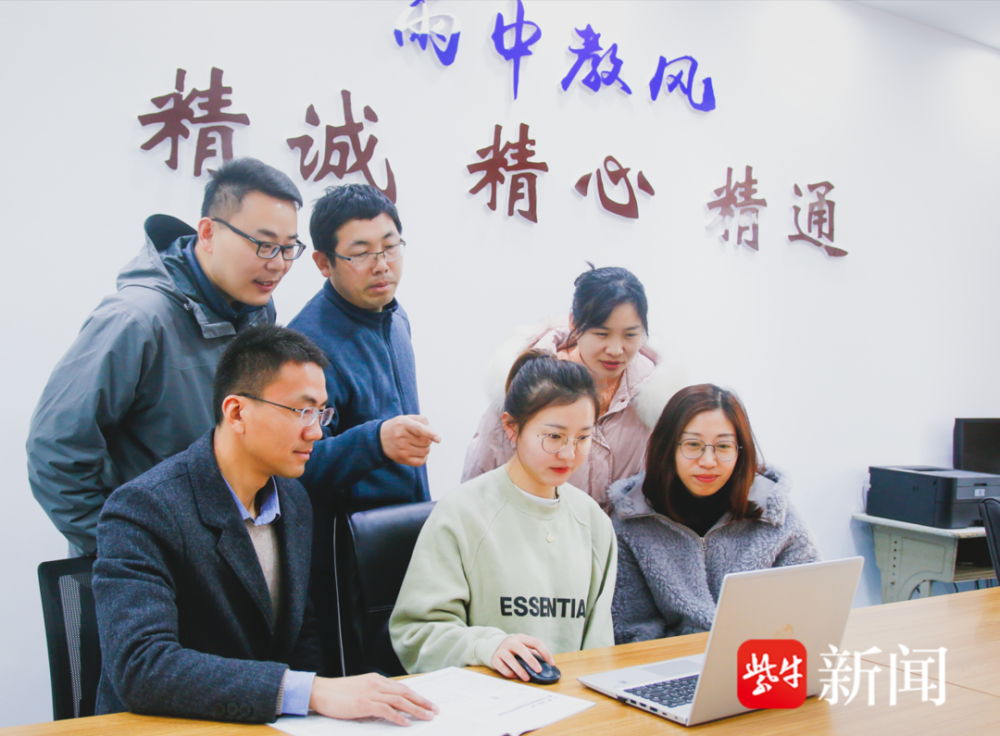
939 497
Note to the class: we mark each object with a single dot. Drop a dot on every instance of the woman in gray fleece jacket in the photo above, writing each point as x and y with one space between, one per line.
703 508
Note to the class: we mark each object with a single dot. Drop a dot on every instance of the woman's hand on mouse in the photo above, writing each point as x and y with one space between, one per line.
528 647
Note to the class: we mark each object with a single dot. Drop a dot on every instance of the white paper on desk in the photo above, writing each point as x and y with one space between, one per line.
471 704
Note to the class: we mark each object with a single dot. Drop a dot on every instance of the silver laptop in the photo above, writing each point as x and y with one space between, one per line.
809 603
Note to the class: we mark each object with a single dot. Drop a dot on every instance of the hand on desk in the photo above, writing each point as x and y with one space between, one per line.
407 439
528 647
369 695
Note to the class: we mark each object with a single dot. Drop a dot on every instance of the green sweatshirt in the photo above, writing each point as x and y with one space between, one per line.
490 562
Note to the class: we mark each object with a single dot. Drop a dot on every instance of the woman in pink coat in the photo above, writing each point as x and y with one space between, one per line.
606 332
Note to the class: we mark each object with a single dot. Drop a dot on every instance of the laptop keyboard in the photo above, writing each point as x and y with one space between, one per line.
670 693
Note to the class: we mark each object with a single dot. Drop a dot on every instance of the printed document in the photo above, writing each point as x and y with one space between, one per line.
470 703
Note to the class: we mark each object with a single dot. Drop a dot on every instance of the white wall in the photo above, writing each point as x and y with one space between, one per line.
843 363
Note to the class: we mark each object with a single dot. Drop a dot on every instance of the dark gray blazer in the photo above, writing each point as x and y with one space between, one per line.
183 609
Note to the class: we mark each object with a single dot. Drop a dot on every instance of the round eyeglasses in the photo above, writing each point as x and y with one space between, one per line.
725 452
554 442
307 416
364 260
268 250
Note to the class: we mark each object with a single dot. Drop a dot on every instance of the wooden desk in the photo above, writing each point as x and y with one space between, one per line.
912 555
968 624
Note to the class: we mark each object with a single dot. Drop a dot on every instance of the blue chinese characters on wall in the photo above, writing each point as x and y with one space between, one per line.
520 45
673 81
590 52
440 30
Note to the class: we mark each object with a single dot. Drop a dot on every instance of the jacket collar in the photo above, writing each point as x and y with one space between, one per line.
161 266
356 313
211 297
768 491
216 508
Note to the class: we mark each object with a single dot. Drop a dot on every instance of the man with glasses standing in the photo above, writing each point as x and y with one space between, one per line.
364 332
136 385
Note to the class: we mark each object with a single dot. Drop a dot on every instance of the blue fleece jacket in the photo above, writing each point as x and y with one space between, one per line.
372 377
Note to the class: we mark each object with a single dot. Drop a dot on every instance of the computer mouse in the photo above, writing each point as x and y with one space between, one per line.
548 676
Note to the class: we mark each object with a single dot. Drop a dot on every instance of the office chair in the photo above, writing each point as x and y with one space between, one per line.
372 550
71 633
990 510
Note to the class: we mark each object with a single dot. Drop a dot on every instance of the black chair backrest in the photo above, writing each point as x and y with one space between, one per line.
990 510
71 632
372 550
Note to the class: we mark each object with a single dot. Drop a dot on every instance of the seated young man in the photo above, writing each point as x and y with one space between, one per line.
203 562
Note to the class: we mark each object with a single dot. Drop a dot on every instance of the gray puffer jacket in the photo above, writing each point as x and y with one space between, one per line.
669 578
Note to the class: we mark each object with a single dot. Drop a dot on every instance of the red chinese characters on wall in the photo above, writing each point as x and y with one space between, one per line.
737 202
514 158
616 175
819 220
202 108
341 143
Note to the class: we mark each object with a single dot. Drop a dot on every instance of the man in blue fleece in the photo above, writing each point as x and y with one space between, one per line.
371 380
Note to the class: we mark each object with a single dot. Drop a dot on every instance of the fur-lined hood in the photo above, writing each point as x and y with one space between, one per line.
769 491
660 373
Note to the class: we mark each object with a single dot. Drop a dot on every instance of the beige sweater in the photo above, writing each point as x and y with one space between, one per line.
490 562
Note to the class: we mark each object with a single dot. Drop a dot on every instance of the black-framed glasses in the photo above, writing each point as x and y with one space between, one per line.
725 452
554 442
363 260
268 250
307 416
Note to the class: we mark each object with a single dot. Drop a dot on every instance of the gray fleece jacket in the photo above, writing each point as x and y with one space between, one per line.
669 578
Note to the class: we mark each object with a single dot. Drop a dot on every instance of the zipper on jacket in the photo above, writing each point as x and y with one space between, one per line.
387 336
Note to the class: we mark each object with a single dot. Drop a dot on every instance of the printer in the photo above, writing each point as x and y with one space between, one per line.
939 497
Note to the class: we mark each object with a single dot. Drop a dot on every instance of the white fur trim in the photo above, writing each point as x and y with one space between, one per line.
667 378
510 349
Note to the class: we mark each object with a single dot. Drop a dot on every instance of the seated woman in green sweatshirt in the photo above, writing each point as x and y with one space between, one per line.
516 561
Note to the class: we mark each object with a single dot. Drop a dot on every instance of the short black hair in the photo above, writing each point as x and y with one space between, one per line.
235 179
254 359
340 205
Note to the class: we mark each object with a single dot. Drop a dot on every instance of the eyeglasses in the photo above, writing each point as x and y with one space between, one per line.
554 442
364 260
307 416
725 452
268 250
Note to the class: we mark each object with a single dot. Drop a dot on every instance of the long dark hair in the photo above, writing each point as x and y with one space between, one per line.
598 292
662 486
538 379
